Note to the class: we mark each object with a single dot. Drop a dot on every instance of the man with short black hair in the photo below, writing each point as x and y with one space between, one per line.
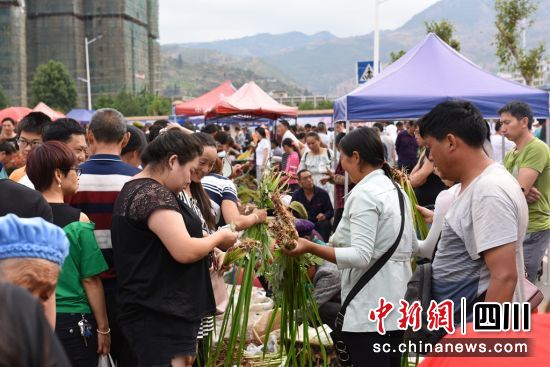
102 178
317 203
399 127
29 136
500 144
222 139
69 132
340 127
284 132
529 163
479 255
211 129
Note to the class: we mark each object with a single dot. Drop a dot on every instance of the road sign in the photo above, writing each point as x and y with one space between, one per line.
365 71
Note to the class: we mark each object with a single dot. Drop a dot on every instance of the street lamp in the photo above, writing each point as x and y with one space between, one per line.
87 80
376 58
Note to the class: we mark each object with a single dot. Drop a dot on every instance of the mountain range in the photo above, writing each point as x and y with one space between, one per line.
325 64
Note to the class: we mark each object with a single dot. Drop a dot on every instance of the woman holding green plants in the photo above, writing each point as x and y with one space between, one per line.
370 225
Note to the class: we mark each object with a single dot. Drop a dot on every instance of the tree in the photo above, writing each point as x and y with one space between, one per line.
159 106
325 105
306 106
444 30
53 85
140 104
394 56
512 17
103 101
320 105
4 100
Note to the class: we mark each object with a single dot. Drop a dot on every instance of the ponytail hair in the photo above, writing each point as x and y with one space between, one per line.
366 142
388 171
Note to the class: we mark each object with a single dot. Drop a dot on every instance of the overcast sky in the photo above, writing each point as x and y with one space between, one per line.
209 20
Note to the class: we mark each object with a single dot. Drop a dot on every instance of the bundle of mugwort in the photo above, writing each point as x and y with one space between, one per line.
287 276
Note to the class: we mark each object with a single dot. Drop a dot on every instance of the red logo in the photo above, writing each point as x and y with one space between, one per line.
380 313
441 315
410 315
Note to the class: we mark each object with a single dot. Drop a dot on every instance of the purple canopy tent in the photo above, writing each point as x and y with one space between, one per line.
81 115
428 74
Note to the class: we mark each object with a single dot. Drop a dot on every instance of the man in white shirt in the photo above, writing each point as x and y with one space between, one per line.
284 132
263 151
391 130
479 255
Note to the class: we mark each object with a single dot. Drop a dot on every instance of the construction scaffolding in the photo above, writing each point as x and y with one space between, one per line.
126 57
13 60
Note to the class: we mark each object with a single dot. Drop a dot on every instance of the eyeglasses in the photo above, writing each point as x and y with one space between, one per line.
25 143
77 170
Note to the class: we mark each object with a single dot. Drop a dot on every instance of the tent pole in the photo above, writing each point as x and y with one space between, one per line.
346 176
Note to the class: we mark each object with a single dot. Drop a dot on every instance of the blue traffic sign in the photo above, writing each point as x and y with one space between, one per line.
365 71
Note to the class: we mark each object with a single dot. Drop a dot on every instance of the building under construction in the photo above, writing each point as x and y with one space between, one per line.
125 55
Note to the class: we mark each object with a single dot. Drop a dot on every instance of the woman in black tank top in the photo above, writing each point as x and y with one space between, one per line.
82 325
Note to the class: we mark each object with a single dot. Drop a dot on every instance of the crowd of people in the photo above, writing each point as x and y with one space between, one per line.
116 229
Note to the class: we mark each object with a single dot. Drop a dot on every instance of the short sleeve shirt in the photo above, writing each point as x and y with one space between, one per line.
219 188
149 279
84 261
262 145
535 155
489 213
289 135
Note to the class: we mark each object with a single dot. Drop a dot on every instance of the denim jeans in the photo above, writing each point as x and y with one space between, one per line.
534 246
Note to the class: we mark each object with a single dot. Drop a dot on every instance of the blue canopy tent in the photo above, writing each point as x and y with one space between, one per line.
428 74
81 115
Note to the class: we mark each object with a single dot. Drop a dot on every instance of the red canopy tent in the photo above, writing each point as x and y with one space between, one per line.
251 100
44 108
14 113
200 105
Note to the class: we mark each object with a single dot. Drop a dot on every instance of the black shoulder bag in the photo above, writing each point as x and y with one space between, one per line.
339 345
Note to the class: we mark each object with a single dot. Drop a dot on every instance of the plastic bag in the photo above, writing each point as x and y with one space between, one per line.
106 361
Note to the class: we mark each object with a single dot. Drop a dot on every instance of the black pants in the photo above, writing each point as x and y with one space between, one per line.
121 352
323 227
362 347
68 332
328 312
